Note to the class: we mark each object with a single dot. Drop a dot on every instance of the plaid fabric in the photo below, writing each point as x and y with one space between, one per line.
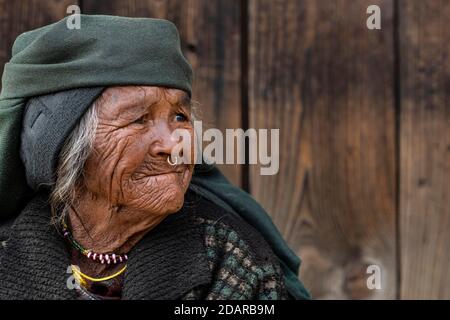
238 274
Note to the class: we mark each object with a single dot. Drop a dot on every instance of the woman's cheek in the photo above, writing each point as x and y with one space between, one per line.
106 164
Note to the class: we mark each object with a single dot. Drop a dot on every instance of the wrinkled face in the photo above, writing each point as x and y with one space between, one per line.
133 140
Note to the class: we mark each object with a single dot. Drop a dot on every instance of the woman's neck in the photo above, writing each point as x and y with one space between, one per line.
103 228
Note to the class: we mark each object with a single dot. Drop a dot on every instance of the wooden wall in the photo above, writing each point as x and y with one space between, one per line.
364 123
424 213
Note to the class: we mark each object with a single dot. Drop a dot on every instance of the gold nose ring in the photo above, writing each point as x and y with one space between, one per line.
170 162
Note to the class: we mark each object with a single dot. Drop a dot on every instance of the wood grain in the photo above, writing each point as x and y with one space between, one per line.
324 79
210 33
425 149
17 17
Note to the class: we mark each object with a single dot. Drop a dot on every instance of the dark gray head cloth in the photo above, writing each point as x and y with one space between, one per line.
48 121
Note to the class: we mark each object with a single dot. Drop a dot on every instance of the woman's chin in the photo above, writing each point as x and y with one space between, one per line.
176 203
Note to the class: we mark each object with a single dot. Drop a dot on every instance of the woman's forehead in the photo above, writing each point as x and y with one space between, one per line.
128 97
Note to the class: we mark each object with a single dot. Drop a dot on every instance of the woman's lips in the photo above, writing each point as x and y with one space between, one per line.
142 175
165 173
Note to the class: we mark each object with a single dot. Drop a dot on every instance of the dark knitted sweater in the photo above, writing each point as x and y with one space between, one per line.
200 252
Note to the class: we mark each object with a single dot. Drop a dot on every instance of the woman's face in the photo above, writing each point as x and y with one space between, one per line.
128 165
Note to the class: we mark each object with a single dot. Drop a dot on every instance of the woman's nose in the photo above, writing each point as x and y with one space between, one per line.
163 140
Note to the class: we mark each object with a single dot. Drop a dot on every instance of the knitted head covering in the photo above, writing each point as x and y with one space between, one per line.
47 122
105 51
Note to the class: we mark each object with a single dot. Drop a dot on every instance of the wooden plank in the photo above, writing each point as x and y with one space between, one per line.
210 33
17 17
319 75
425 149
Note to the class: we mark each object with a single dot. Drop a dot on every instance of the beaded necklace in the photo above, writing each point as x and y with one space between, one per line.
82 277
103 258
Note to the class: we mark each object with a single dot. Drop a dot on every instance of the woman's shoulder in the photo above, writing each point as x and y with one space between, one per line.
229 229
241 261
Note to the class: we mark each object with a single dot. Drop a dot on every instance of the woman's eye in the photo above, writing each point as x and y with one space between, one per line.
179 117
140 120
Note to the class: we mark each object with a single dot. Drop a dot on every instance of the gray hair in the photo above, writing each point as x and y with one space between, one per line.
74 153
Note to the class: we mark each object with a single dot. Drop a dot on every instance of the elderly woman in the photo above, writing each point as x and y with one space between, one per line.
96 207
